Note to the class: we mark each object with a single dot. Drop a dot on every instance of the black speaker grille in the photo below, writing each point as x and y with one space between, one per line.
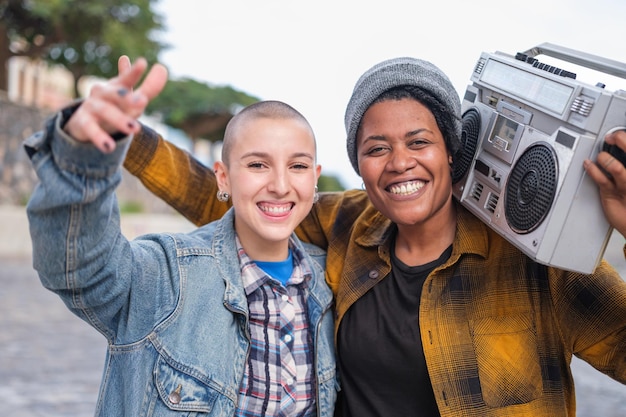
469 139
531 188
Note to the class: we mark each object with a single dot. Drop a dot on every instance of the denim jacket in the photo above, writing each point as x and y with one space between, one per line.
171 306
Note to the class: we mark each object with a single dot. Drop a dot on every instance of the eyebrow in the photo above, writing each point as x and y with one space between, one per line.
407 135
418 131
268 155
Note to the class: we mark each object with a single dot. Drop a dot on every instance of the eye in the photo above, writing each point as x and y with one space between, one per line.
256 165
300 166
418 143
375 150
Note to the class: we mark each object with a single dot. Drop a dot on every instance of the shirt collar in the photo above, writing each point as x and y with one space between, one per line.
254 277
471 234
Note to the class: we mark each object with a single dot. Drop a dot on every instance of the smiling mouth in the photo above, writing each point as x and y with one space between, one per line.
406 188
276 209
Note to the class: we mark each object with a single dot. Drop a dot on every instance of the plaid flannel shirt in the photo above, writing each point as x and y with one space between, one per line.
278 380
498 329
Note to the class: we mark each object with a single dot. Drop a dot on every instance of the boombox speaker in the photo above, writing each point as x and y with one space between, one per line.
527 128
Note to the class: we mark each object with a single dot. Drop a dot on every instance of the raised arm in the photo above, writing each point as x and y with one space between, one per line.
78 249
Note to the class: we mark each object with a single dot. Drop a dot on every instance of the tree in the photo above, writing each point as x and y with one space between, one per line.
198 109
85 36
329 183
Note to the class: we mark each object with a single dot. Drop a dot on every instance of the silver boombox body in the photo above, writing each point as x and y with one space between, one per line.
527 128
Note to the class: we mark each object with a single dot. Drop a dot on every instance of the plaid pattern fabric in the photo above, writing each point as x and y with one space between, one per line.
278 380
498 330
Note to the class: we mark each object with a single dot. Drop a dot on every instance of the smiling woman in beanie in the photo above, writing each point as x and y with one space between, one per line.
436 314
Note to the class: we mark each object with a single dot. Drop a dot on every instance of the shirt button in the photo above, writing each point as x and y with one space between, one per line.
288 338
174 396
285 297
373 274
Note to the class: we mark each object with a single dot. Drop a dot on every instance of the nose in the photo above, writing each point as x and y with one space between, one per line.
279 182
401 160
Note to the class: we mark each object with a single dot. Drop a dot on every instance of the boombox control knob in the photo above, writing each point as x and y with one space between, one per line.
615 151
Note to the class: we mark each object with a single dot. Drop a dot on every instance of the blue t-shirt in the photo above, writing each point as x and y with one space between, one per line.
280 270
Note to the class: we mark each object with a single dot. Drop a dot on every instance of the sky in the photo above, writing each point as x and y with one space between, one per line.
310 54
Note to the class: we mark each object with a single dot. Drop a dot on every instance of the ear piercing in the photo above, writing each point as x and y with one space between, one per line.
223 196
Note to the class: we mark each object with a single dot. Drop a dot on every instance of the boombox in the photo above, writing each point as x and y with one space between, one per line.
527 128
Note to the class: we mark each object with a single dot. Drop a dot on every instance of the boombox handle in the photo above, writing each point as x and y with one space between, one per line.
590 61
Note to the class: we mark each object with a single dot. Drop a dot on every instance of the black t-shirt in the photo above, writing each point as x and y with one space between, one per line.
381 359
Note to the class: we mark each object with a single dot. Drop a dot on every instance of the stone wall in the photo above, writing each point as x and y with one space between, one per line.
17 177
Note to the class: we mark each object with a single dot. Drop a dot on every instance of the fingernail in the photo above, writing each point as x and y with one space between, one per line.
122 92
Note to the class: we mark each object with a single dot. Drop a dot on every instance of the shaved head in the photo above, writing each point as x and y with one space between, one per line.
270 109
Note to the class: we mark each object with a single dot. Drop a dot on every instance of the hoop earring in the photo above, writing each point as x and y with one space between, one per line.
316 196
222 196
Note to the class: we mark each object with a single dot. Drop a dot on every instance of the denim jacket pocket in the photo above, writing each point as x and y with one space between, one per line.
180 391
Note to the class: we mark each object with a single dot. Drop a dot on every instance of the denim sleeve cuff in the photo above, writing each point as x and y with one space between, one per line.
40 141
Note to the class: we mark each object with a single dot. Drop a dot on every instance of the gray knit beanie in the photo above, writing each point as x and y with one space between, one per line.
394 73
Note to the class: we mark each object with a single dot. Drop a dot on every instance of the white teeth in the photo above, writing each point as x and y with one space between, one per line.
275 209
405 189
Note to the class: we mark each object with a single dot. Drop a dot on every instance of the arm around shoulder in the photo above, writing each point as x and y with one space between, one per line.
175 176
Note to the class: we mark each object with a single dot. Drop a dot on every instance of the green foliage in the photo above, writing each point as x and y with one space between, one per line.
329 183
183 99
86 36
131 207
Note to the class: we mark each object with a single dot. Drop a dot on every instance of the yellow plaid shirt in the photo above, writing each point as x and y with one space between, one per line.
498 330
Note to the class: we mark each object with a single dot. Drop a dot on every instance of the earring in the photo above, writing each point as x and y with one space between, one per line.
222 196
362 186
316 196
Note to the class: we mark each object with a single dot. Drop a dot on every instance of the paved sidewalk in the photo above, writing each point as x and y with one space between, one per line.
14 235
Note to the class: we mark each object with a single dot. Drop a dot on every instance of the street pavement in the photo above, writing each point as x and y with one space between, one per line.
51 362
